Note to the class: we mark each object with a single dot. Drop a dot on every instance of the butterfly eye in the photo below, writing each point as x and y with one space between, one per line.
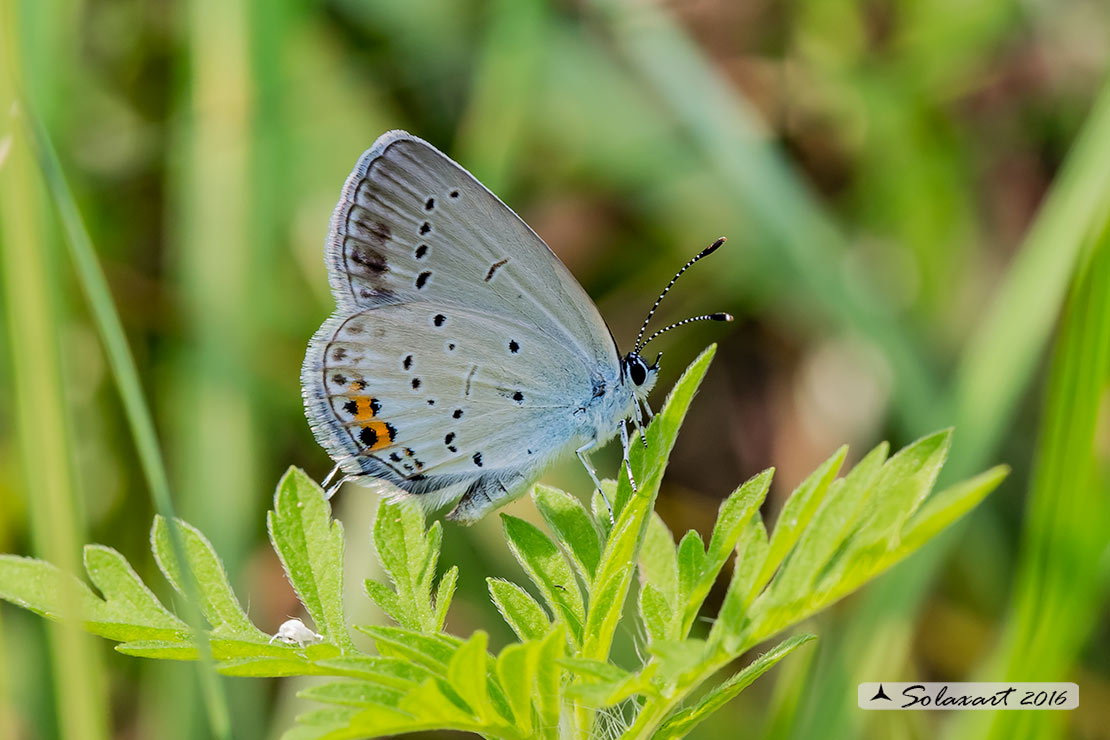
636 369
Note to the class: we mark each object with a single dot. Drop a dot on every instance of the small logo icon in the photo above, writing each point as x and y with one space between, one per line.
880 694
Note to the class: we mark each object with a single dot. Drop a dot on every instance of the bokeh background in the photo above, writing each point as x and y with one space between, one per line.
917 200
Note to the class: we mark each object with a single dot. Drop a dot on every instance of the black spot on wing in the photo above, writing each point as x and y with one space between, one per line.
477 459
439 319
429 204
425 228
421 251
513 346
458 414
415 383
422 279
368 436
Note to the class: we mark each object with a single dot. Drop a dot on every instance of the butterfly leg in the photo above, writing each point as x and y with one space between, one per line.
623 426
331 476
581 452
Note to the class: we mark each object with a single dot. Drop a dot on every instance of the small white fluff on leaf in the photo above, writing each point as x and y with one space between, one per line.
294 632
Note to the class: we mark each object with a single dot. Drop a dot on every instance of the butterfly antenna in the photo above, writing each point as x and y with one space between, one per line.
703 253
684 322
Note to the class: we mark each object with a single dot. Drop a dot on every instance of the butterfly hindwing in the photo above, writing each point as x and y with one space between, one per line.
437 399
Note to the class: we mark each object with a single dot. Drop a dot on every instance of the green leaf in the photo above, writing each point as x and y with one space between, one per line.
352 693
127 600
691 559
734 512
830 526
684 720
797 512
516 671
433 651
677 657
904 482
526 618
751 551
395 672
549 681
387 600
545 565
573 527
408 554
945 507
444 592
656 613
467 675
218 602
601 684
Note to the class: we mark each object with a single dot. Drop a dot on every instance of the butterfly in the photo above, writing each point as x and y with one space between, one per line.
463 357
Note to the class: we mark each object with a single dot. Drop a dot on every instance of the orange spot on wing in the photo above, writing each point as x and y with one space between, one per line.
364 408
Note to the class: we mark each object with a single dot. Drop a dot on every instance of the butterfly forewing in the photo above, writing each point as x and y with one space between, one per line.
412 225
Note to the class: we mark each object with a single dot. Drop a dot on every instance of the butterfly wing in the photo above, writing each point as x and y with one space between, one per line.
438 399
412 225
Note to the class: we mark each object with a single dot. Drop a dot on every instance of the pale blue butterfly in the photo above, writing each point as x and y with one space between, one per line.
463 357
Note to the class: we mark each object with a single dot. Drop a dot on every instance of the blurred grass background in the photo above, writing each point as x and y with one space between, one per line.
917 200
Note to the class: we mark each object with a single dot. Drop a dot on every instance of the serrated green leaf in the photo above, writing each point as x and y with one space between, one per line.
691 558
603 685
431 704
386 599
677 657
733 513
831 524
309 544
797 512
680 723
125 595
545 565
751 551
658 562
398 673
549 683
521 612
691 562
444 592
406 553
352 693
573 527
516 671
904 482
945 507
467 675
432 651
270 668
656 613
218 602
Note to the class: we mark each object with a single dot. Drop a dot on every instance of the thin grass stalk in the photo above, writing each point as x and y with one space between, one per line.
92 280
35 325
1064 554
34 329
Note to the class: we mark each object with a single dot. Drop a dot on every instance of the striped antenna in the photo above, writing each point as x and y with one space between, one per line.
703 253
684 322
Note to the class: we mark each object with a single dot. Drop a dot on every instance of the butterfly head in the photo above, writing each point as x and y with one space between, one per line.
640 375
